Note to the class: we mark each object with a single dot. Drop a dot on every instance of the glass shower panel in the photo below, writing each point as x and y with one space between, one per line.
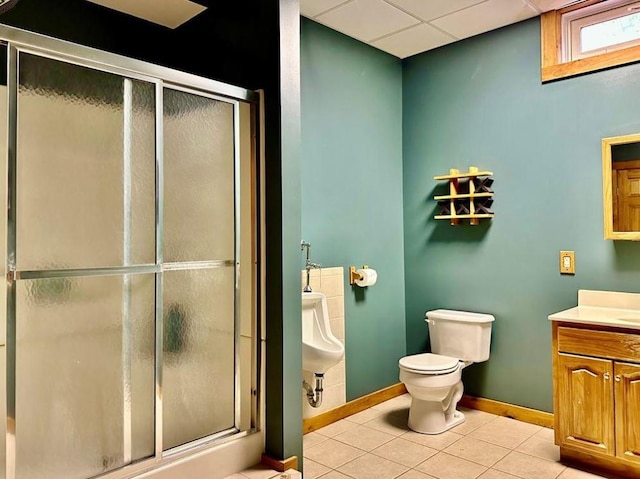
85 167
199 178
198 359
78 387
3 261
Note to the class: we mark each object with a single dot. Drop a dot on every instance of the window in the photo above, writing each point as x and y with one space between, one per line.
590 36
600 29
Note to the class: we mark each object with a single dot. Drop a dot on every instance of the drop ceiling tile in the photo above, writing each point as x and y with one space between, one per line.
367 19
311 8
546 5
428 10
170 13
485 16
413 40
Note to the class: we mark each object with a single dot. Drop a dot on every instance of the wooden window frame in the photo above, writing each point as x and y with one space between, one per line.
552 66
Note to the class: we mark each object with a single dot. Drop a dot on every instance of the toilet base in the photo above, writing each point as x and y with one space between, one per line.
427 417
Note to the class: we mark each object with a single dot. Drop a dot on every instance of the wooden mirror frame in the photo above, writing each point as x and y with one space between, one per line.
607 190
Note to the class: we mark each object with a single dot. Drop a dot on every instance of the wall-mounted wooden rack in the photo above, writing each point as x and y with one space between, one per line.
470 196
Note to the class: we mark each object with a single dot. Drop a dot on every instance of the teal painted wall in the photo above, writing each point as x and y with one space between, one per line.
352 191
480 102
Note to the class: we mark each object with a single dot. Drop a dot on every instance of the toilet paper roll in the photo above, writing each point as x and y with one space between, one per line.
368 277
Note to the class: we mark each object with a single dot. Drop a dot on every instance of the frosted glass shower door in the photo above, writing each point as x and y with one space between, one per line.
84 309
199 249
123 249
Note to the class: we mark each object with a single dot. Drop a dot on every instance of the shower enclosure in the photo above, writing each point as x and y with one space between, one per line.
130 239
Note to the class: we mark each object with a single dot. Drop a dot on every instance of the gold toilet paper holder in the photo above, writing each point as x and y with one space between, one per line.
354 275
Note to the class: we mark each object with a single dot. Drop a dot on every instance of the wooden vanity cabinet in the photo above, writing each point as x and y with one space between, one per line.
597 396
627 411
585 414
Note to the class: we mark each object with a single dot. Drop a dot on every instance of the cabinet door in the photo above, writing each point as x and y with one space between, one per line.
585 415
627 387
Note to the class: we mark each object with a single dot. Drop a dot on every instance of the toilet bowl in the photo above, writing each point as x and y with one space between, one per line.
434 380
435 386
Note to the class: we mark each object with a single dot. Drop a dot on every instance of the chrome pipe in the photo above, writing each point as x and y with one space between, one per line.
314 396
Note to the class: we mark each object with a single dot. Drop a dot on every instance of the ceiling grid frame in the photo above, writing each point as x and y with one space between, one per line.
453 20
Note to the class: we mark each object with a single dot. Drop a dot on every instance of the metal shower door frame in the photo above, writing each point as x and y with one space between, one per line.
19 41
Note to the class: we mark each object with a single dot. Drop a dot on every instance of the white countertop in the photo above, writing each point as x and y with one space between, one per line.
622 318
605 308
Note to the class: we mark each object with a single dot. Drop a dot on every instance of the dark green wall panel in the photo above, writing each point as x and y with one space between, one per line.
352 191
480 102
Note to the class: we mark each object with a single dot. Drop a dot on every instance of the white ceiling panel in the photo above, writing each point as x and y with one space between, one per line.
484 17
311 8
367 19
546 5
413 40
430 9
170 13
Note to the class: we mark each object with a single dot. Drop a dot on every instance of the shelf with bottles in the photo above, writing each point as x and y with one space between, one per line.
470 196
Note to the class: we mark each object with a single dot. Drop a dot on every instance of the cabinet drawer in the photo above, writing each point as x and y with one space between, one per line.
603 344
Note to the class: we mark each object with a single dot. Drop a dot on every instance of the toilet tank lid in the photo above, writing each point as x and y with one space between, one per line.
464 316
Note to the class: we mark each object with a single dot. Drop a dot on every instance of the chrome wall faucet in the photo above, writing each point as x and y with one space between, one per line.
309 265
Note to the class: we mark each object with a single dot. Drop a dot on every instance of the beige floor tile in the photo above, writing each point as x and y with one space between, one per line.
236 476
372 467
413 474
404 452
493 474
401 413
313 469
505 432
395 404
529 467
336 428
364 416
546 433
445 466
331 475
435 441
473 419
311 439
571 473
389 423
541 447
477 451
259 472
332 453
364 438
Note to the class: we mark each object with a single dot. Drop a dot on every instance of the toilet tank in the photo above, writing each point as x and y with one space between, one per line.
460 334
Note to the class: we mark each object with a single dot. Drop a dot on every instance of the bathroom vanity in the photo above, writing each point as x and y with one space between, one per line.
596 378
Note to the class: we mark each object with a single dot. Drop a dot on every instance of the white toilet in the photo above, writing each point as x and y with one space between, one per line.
458 339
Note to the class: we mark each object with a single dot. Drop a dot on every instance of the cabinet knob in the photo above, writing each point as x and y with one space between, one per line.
607 376
618 378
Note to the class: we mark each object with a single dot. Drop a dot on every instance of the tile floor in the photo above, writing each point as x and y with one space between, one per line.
262 472
376 444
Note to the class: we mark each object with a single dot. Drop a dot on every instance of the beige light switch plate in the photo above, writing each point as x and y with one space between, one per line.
567 262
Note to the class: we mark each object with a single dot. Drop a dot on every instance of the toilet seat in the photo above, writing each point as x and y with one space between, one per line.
429 364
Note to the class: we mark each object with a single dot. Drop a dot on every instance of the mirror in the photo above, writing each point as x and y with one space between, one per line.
621 187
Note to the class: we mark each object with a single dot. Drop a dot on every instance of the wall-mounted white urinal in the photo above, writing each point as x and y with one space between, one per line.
320 348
